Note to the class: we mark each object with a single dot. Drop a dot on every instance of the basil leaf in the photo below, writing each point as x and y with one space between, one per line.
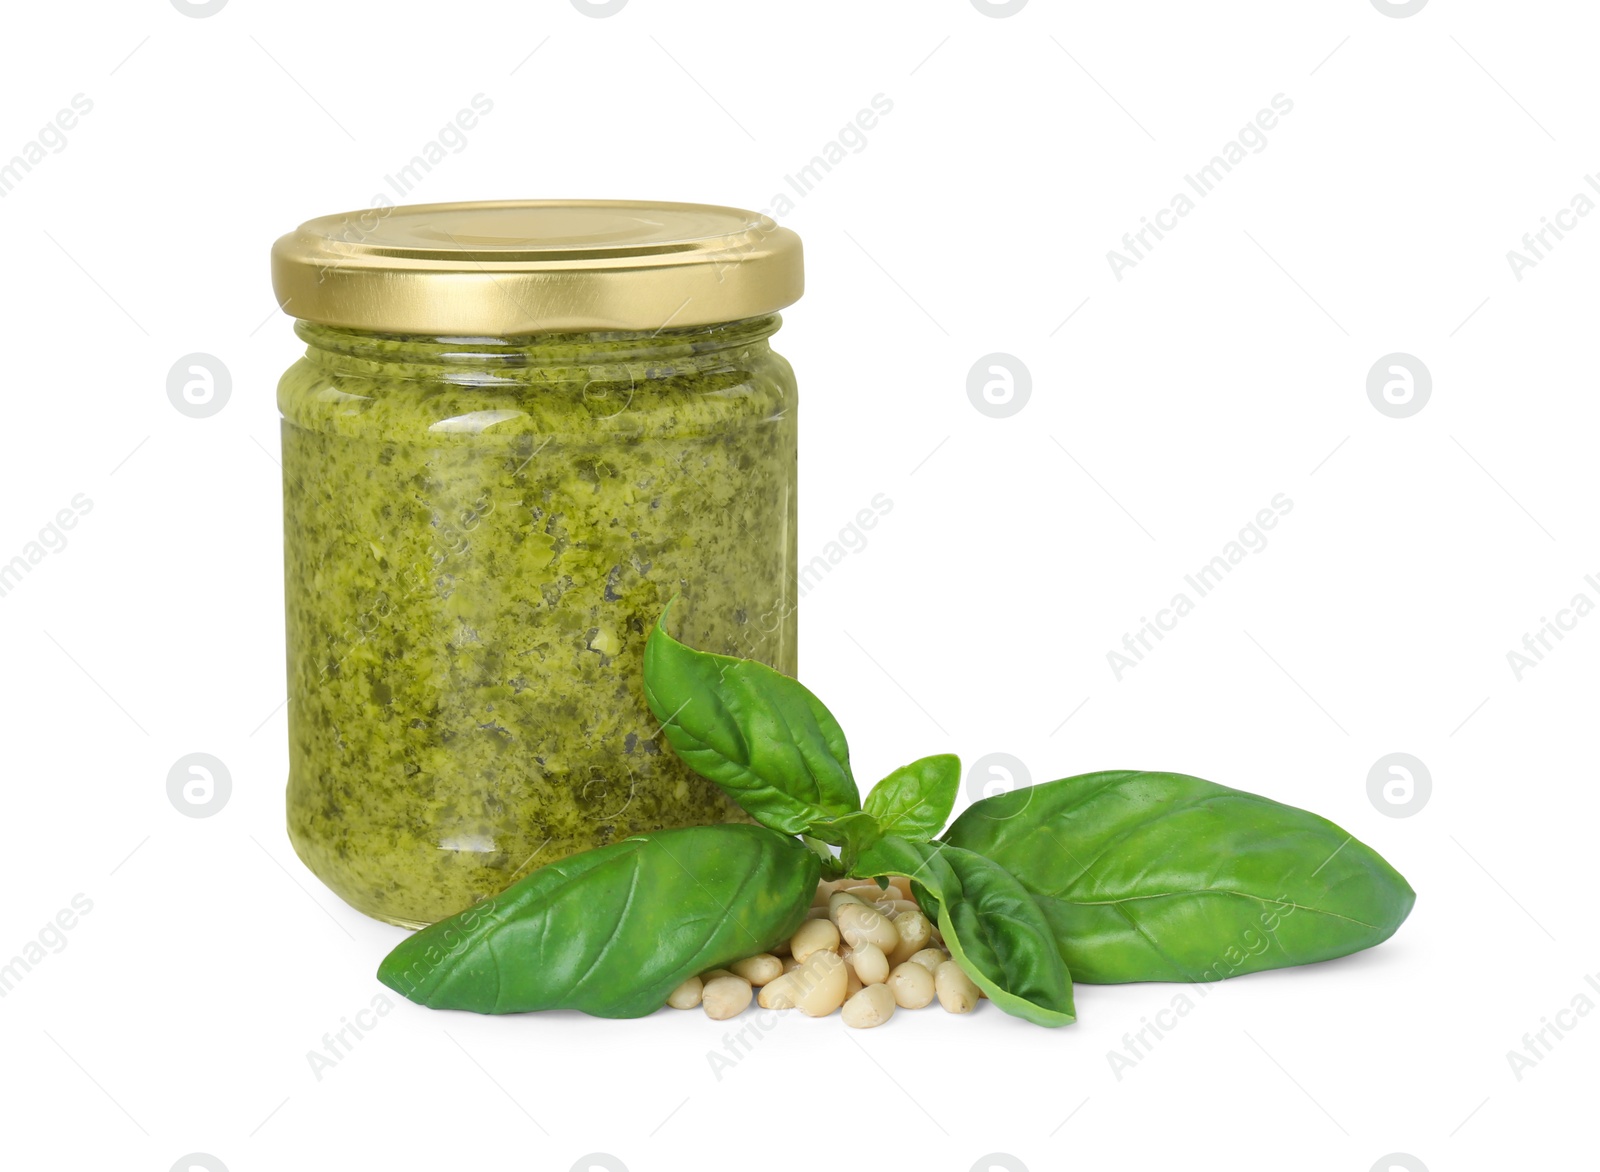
832 868
995 931
1165 877
852 833
915 800
758 734
922 862
990 923
612 931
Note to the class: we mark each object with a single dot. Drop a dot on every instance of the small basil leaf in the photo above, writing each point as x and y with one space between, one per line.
851 833
990 923
832 867
760 735
613 931
1165 877
915 800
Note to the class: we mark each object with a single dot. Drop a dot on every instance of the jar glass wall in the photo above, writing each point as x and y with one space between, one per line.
478 534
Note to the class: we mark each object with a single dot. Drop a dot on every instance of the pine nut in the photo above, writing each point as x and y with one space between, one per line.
821 982
859 924
686 995
893 907
779 994
813 936
870 964
758 969
866 892
726 997
956 991
873 1006
839 899
914 931
911 984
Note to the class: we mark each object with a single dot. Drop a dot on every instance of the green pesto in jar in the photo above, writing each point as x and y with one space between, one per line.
478 534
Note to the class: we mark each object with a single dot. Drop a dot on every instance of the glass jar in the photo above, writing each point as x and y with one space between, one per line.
518 432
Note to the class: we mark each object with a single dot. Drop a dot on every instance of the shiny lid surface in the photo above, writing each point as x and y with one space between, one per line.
521 267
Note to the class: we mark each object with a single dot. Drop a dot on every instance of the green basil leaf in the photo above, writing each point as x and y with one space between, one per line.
1165 877
990 923
915 800
832 868
995 930
922 862
612 931
758 734
852 833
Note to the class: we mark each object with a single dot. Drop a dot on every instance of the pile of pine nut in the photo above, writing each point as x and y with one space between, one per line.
863 949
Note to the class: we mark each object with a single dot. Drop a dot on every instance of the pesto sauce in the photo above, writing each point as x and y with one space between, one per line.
478 535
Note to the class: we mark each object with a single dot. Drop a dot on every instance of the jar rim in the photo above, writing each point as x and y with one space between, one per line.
514 267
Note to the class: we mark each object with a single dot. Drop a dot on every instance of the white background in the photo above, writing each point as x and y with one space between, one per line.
1228 366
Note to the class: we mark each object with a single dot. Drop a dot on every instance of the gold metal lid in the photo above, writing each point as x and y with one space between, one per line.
530 266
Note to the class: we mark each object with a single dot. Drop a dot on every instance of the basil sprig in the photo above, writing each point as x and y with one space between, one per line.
1119 876
778 752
